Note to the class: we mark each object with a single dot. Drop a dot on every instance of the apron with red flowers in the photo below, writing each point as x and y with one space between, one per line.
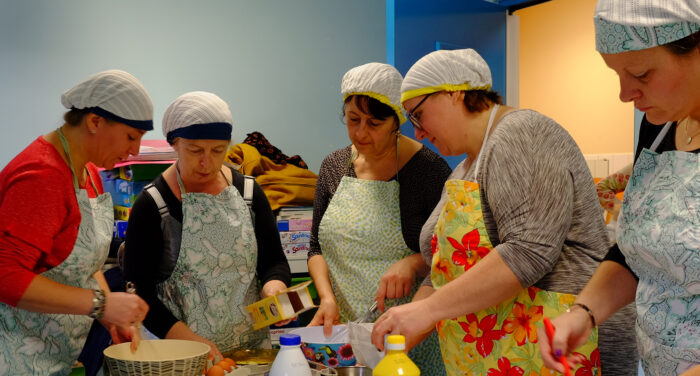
499 340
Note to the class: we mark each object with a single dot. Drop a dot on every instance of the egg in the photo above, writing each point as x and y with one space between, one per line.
231 362
216 371
225 365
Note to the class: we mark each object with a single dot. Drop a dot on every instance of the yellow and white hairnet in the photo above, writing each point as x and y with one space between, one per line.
446 70
376 80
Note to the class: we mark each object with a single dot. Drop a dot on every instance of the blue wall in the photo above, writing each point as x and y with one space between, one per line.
277 63
417 25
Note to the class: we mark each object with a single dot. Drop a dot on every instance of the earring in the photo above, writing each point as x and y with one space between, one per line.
93 131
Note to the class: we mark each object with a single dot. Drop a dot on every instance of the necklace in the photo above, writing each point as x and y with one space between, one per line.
685 128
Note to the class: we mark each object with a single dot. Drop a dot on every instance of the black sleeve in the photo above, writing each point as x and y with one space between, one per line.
420 183
329 175
648 133
272 263
142 254
615 255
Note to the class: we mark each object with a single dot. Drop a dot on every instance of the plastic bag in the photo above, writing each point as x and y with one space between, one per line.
361 341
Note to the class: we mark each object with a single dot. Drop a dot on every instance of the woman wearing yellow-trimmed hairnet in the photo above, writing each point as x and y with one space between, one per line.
518 216
372 198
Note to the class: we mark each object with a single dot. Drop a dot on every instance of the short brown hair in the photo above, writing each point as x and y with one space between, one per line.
480 100
74 116
685 45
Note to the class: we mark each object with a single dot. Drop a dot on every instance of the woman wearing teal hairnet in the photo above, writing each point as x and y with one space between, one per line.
654 47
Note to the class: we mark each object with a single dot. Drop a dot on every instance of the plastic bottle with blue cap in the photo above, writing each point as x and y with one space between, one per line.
290 361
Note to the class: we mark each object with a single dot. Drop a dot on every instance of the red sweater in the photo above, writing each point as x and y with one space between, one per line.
39 216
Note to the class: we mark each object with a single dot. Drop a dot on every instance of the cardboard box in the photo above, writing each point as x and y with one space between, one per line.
283 306
295 237
296 251
120 228
122 212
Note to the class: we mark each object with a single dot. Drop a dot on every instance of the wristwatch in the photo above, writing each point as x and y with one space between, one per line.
98 304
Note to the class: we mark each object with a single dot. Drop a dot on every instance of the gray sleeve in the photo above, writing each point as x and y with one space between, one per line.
529 193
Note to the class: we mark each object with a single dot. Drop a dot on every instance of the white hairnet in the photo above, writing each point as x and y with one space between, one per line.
377 80
115 95
198 115
636 25
446 70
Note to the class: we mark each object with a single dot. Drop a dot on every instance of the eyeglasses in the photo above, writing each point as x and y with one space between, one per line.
414 120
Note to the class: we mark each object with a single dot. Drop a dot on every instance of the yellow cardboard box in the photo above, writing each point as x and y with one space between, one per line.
285 305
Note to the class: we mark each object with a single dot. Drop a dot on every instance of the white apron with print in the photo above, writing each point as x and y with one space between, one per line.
659 234
215 275
360 236
43 344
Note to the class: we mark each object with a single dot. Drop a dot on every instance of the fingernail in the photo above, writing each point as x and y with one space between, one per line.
557 353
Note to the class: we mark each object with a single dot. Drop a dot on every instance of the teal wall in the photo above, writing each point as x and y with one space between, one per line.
278 63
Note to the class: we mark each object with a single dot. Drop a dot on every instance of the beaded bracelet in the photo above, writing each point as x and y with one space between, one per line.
98 305
588 310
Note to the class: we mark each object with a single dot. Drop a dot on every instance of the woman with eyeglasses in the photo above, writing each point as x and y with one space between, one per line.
372 198
516 234
656 262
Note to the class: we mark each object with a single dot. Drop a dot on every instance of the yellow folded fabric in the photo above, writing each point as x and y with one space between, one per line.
283 184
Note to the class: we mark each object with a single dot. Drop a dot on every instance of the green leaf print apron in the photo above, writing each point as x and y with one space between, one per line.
659 234
360 235
215 275
500 340
33 343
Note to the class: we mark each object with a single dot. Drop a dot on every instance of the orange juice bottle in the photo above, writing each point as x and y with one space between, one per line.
396 362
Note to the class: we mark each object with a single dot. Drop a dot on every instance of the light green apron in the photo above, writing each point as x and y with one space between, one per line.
360 235
43 344
215 275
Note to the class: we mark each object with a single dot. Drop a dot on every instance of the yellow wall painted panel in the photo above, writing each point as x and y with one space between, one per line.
562 76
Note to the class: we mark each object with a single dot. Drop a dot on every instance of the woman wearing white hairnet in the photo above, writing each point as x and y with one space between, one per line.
654 47
201 235
372 198
56 227
516 234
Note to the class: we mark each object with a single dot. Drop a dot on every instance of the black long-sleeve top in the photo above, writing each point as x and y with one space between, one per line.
647 134
144 248
420 184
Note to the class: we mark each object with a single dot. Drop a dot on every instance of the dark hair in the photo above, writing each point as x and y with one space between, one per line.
74 116
372 107
480 100
685 45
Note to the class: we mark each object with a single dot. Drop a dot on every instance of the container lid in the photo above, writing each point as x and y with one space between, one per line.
396 342
290 340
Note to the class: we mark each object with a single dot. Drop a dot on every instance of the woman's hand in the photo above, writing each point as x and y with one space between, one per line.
182 331
413 320
274 287
399 279
571 331
326 315
124 309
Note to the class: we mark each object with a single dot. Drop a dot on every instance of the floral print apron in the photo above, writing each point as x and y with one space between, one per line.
215 275
659 234
499 340
33 343
360 235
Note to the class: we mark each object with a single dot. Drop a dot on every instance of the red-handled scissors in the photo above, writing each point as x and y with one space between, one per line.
549 328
